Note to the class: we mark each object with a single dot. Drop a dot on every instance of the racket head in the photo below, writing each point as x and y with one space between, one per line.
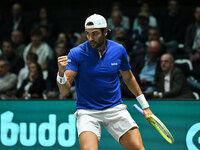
161 128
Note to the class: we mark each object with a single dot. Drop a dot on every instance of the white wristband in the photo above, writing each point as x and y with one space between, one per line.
61 80
142 100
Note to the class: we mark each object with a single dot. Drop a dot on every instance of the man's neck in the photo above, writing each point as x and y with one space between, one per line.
168 72
103 47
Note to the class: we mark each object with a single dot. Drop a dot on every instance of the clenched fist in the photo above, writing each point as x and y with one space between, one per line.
62 63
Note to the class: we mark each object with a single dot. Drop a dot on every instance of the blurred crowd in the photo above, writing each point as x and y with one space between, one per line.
164 52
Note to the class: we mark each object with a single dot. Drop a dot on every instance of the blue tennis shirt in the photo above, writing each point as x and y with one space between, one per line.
97 82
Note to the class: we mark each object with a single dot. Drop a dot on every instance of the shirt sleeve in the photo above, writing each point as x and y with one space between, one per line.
124 61
72 61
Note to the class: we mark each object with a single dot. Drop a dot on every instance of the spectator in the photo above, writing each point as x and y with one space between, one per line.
124 89
173 24
44 19
23 73
196 63
144 8
141 33
118 32
192 36
154 34
81 39
146 68
17 39
140 47
9 54
72 37
194 80
172 82
8 81
123 41
46 35
62 36
52 88
42 49
118 18
17 21
34 86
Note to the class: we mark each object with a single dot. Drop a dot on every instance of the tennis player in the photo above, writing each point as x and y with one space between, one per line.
94 67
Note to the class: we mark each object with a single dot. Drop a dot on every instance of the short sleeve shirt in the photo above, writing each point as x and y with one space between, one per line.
97 81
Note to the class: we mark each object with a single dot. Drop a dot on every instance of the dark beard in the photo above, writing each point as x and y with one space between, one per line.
100 44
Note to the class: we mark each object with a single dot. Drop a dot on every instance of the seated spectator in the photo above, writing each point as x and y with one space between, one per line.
43 19
46 35
125 92
16 62
117 18
17 39
17 21
120 36
196 63
140 47
141 33
192 37
144 8
61 37
146 67
81 39
173 24
123 41
118 32
154 35
194 80
172 82
34 86
23 73
42 49
52 90
8 81
64 38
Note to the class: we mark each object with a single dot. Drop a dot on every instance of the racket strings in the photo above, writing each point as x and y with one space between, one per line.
162 128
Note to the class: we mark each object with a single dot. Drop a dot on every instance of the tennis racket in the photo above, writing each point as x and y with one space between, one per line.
160 127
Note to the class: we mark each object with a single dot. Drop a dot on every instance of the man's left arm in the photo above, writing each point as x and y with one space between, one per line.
133 86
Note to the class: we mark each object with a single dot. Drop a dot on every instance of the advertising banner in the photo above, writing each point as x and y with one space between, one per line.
50 125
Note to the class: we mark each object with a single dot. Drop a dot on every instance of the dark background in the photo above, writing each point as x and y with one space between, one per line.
72 13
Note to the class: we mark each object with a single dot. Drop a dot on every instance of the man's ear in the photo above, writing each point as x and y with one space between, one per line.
106 32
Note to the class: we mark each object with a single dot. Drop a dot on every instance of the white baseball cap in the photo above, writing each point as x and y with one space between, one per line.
98 21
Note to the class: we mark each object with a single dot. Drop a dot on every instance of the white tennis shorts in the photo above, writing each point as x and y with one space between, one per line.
116 120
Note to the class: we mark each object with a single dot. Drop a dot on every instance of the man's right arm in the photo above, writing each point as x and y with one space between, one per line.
65 87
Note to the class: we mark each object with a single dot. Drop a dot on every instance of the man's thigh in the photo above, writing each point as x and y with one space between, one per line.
132 140
89 130
119 121
88 141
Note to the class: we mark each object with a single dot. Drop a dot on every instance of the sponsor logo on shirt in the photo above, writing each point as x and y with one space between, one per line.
114 64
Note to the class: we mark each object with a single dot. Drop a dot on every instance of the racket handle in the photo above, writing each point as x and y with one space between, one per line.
138 109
